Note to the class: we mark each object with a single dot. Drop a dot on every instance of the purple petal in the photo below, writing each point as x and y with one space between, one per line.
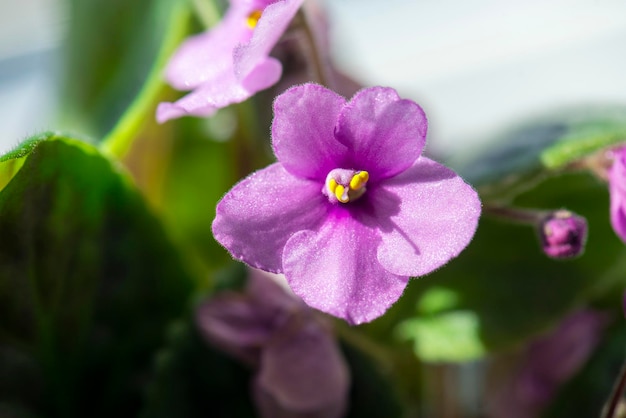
255 218
265 74
206 99
617 190
302 374
270 27
233 323
427 215
204 57
269 295
303 131
334 269
384 134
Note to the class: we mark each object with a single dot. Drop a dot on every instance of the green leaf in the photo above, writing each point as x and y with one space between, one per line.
507 165
189 373
451 336
115 50
89 282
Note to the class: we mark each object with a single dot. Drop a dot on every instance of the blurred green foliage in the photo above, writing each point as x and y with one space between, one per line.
104 251
89 282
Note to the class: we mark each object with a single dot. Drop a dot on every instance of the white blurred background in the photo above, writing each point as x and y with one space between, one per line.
474 65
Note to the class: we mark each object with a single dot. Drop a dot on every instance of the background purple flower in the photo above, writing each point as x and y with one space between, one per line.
231 62
546 364
300 371
405 216
617 190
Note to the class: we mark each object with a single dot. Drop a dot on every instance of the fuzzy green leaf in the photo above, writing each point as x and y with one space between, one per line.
89 282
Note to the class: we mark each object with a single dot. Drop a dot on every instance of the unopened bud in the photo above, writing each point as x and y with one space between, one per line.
563 234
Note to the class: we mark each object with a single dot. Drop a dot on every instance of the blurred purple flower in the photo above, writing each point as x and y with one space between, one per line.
300 371
547 363
617 190
231 62
351 209
563 234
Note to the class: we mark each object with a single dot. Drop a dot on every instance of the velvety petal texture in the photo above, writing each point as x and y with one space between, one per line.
334 269
206 56
384 134
617 190
308 148
257 217
427 214
271 26
229 63
351 209
299 369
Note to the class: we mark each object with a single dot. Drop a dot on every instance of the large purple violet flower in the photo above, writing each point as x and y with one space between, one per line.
617 191
351 210
299 369
231 62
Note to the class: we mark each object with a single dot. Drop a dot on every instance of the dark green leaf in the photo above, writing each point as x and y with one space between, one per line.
88 281
195 380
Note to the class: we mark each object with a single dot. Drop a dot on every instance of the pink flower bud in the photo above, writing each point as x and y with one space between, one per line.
563 234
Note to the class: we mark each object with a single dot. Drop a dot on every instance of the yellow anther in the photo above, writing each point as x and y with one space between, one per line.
339 194
359 180
253 18
332 185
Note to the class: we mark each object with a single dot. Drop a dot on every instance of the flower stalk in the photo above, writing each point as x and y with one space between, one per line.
611 408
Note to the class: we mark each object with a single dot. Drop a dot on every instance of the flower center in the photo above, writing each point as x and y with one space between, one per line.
345 185
253 18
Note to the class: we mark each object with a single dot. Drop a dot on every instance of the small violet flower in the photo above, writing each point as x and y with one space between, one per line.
299 369
617 191
351 209
231 62
563 234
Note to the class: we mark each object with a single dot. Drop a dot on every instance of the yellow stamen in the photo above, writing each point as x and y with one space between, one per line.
253 18
332 185
339 194
359 180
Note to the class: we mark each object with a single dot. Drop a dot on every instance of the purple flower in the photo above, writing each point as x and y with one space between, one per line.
546 364
563 234
231 62
300 371
351 210
617 190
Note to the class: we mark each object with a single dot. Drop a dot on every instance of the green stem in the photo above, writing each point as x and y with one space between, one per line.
519 215
118 142
382 355
616 395
208 12
316 59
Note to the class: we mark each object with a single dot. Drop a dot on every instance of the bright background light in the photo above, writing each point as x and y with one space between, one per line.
474 65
